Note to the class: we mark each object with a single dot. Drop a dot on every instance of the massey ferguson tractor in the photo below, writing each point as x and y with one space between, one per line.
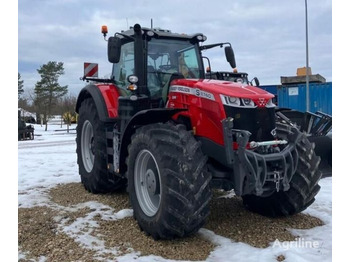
160 129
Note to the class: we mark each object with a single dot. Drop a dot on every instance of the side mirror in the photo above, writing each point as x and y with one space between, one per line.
230 57
114 47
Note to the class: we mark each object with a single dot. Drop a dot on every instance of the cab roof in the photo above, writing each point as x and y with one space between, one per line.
163 33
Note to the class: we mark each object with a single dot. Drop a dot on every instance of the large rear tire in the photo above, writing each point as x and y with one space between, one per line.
168 182
303 185
92 152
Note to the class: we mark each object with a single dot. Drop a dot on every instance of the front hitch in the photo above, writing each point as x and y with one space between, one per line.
257 173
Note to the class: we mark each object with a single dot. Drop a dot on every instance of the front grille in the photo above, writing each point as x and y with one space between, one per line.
258 121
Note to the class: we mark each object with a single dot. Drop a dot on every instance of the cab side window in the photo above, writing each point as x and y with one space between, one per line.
125 66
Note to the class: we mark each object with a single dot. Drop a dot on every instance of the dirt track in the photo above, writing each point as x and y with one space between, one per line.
42 230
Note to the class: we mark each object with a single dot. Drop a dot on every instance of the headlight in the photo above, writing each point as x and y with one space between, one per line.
201 38
230 101
237 102
248 102
233 100
133 79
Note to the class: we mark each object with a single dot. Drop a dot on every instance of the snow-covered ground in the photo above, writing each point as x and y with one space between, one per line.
50 159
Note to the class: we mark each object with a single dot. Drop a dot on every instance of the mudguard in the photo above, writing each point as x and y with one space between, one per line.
105 97
143 117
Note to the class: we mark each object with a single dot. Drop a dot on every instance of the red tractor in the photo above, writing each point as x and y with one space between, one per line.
160 129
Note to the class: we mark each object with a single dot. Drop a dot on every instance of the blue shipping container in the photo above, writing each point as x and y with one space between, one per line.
294 96
270 88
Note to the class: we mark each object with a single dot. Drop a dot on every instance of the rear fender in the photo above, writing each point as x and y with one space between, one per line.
105 97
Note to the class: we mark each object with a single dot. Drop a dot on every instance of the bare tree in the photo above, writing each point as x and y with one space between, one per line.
66 106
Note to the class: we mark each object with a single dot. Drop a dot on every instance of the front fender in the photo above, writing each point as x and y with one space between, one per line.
144 117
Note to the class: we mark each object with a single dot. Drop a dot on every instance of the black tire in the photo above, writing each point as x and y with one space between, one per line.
181 193
92 152
303 185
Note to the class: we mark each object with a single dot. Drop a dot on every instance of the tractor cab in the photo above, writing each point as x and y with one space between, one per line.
164 59
155 57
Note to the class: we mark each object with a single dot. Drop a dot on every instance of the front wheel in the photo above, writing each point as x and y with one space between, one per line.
168 182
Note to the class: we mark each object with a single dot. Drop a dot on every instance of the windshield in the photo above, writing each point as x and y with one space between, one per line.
169 57
181 56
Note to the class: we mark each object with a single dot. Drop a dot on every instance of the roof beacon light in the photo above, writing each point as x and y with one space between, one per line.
104 30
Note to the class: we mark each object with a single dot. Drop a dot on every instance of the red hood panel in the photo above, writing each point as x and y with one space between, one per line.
225 87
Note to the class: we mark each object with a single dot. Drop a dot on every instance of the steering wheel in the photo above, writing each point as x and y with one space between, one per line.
167 67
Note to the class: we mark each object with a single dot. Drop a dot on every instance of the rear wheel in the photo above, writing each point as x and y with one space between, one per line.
92 152
303 185
168 182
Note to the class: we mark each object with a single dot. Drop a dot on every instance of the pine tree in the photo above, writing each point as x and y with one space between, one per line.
48 90
20 86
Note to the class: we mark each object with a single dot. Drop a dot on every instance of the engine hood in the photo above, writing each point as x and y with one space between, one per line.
226 88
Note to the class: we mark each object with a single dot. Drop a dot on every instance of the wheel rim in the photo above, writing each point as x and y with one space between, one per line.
147 182
87 146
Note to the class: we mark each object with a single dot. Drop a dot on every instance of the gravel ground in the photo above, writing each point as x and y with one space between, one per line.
42 230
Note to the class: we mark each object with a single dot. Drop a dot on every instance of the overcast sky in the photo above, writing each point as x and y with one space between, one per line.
268 37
